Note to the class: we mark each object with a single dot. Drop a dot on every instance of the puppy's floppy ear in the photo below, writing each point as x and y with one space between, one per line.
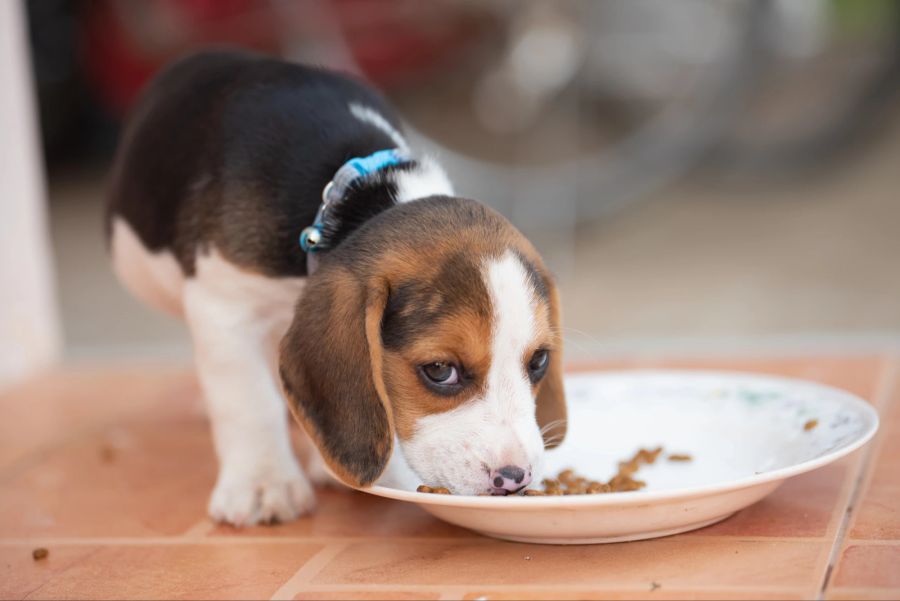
551 398
331 366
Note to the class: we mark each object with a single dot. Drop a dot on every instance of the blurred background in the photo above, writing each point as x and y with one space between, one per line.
693 171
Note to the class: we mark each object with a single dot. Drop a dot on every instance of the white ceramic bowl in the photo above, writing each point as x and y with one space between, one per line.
745 433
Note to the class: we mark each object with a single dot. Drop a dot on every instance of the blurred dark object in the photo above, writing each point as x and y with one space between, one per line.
816 103
73 123
604 102
627 94
126 42
398 44
92 57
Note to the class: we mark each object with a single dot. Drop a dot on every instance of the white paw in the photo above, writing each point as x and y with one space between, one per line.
243 500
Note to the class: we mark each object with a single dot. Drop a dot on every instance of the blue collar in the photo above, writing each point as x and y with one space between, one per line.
351 172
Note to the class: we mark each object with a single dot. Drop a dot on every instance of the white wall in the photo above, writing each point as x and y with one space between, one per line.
29 324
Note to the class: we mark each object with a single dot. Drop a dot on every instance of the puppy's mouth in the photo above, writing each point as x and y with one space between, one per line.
502 492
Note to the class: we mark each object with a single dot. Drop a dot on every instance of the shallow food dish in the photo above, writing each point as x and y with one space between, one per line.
746 434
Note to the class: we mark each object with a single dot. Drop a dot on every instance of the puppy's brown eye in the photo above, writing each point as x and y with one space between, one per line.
537 365
443 374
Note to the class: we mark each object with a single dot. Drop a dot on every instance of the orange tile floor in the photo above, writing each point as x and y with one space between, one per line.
109 469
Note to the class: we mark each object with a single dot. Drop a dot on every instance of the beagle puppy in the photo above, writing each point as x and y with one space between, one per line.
403 320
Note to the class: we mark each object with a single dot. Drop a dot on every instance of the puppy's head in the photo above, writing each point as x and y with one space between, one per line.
435 323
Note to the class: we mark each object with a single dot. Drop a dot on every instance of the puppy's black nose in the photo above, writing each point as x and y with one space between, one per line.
512 472
509 479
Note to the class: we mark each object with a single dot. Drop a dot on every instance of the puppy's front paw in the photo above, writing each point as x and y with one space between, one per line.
244 501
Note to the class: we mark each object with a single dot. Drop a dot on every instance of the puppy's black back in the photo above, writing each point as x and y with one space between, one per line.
233 149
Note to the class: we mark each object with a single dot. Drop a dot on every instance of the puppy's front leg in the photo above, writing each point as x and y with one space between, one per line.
259 477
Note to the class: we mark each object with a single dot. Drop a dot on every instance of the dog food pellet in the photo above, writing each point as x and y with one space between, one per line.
625 483
596 488
40 553
680 457
107 454
810 424
567 482
439 490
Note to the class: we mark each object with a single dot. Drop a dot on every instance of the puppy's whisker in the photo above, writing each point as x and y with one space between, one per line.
551 425
554 422
589 343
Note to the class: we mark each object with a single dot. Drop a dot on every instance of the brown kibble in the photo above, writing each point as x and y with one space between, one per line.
568 482
550 484
621 483
107 454
626 469
40 553
645 456
618 481
680 457
597 488
810 425
437 490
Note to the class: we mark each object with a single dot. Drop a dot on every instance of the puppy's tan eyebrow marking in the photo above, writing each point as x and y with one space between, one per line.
460 284
410 313
416 305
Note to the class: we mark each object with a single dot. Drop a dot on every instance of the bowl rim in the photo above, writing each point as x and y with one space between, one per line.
519 502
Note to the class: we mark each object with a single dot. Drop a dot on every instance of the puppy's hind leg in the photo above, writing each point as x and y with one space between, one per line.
259 478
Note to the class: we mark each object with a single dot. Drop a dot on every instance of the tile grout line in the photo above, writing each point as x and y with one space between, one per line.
887 383
321 540
455 591
199 530
880 592
313 566
873 542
